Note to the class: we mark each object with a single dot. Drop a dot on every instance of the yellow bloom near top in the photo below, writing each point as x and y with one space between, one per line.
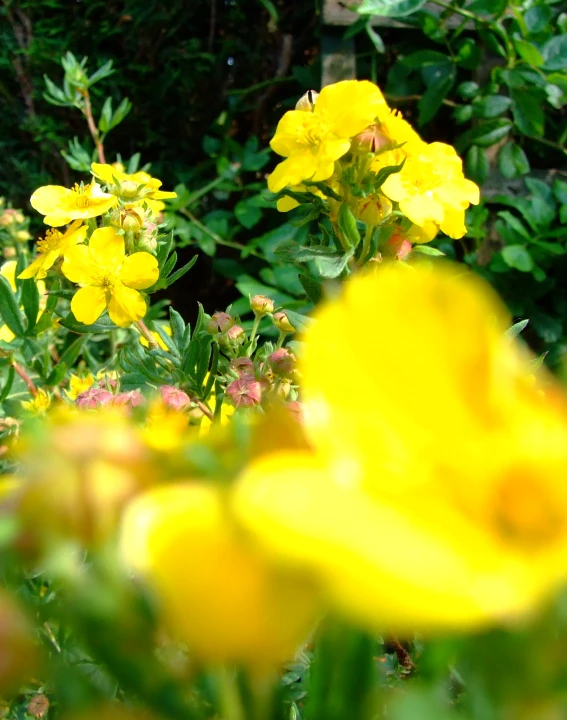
61 205
149 186
431 187
313 140
109 278
436 495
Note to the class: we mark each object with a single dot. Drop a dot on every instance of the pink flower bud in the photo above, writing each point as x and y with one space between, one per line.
220 322
281 362
295 410
243 366
132 398
245 392
399 246
307 101
370 140
174 397
233 336
261 305
93 398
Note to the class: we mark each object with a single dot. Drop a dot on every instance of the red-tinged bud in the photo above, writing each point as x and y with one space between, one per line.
243 366
296 410
398 246
262 305
174 397
220 322
132 398
233 336
281 362
307 101
245 392
94 398
281 321
370 140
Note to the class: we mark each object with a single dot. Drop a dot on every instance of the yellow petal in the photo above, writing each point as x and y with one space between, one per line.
232 606
88 304
126 305
139 270
107 247
106 173
79 265
350 106
45 199
8 270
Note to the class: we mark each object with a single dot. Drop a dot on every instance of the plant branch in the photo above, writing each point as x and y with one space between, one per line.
88 113
25 377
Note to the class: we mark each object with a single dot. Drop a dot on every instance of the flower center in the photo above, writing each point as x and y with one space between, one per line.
78 199
49 242
314 130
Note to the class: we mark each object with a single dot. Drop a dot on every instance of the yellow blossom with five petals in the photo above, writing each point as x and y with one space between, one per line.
149 187
442 504
109 278
313 140
51 247
61 205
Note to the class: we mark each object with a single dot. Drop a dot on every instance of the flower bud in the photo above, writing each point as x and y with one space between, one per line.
22 235
261 305
307 101
283 388
174 397
147 244
296 410
245 392
131 222
129 189
281 321
8 217
242 366
281 362
132 398
94 398
9 252
233 336
370 140
398 246
220 322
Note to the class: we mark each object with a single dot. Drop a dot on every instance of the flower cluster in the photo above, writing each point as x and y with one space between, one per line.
371 161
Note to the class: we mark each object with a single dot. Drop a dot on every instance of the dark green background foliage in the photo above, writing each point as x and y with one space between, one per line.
209 79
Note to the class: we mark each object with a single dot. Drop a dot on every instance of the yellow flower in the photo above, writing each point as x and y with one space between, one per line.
109 278
217 593
431 187
39 404
52 246
78 385
312 141
61 205
436 497
138 187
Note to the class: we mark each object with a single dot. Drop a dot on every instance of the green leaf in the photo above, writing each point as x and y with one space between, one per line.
476 164
491 106
537 18
103 324
427 250
512 161
554 53
30 302
485 135
105 121
174 277
385 172
423 58
247 214
72 353
331 266
376 40
516 329
437 90
313 288
347 225
528 52
528 112
518 257
103 72
468 89
299 322
389 8
9 310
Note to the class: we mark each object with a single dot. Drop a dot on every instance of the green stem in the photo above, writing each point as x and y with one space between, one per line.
230 698
281 338
366 243
144 331
254 330
217 238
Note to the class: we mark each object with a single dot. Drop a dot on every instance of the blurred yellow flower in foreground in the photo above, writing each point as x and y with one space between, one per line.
109 278
61 205
218 594
436 497
78 385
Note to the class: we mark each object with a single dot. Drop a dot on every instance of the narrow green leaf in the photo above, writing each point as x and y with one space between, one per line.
9 310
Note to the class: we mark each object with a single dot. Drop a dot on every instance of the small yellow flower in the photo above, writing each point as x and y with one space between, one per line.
51 247
312 141
78 385
109 278
138 187
431 187
232 606
61 205
39 404
435 499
